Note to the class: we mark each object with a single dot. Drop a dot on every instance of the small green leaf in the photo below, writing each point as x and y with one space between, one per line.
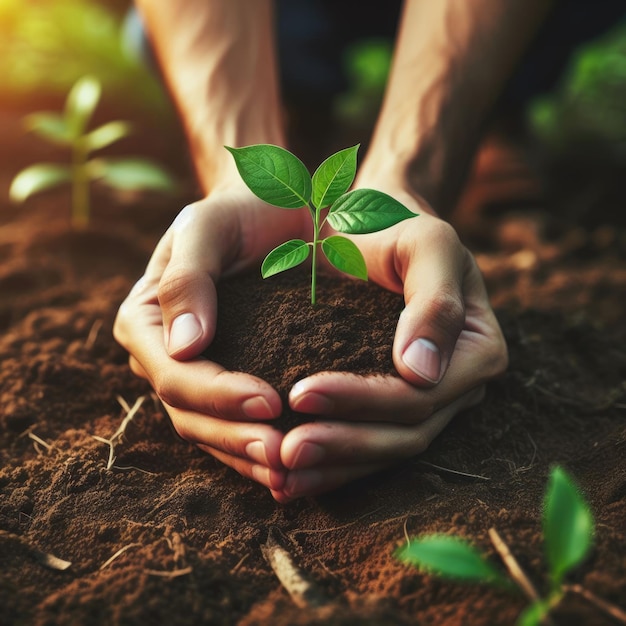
449 557
533 615
81 103
567 525
131 174
37 178
106 134
334 177
49 126
284 257
366 211
274 175
345 256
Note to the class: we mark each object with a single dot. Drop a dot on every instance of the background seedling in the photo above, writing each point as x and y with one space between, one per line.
568 529
279 178
69 129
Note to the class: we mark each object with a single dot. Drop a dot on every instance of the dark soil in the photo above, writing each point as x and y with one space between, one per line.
188 532
350 328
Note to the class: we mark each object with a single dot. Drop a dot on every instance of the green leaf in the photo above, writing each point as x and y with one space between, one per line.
284 257
450 557
131 174
366 211
106 134
49 126
274 175
334 177
567 525
533 614
345 256
37 178
81 103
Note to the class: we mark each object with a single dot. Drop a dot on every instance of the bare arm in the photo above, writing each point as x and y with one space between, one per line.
218 60
451 60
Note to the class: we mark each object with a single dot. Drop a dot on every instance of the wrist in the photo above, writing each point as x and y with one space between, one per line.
391 174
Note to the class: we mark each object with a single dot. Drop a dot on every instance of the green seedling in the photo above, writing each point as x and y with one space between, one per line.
70 130
279 178
568 529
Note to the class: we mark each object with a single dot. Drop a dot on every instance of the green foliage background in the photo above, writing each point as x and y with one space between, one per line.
590 102
45 46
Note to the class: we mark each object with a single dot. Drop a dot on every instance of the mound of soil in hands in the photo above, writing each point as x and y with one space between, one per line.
269 328
168 535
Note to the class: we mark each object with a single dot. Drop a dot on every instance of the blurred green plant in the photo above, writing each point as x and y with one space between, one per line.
589 104
69 129
568 530
46 46
367 64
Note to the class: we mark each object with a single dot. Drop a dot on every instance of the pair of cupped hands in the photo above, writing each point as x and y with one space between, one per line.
447 345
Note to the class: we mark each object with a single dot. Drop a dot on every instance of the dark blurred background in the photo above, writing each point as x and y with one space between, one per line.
565 109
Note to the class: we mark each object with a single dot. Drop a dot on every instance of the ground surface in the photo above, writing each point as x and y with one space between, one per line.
188 532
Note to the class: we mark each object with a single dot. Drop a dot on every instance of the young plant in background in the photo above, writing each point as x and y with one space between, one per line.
279 178
69 129
568 529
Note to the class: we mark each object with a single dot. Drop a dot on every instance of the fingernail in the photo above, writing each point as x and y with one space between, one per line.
303 482
261 475
185 329
308 454
422 357
256 451
257 408
309 402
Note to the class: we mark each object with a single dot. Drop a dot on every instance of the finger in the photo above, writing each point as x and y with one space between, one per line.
268 477
312 482
331 444
342 395
186 292
432 272
245 444
198 384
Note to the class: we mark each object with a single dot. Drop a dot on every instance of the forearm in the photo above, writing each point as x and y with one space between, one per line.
451 61
218 60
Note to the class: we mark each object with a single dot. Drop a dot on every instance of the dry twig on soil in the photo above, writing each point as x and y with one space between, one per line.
303 591
48 560
119 433
610 609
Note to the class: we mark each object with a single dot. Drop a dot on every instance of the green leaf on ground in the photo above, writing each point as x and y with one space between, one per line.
284 257
38 178
81 103
131 174
449 557
345 256
49 126
334 177
366 211
274 175
567 525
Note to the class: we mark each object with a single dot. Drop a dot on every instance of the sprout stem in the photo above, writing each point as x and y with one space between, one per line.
316 230
80 187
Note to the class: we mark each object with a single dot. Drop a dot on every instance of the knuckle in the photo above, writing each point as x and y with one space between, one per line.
174 284
182 429
165 390
447 312
443 234
419 443
499 361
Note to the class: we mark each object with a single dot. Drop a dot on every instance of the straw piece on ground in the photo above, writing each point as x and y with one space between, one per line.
303 591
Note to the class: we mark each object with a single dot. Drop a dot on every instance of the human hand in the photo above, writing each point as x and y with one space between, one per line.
169 318
447 345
